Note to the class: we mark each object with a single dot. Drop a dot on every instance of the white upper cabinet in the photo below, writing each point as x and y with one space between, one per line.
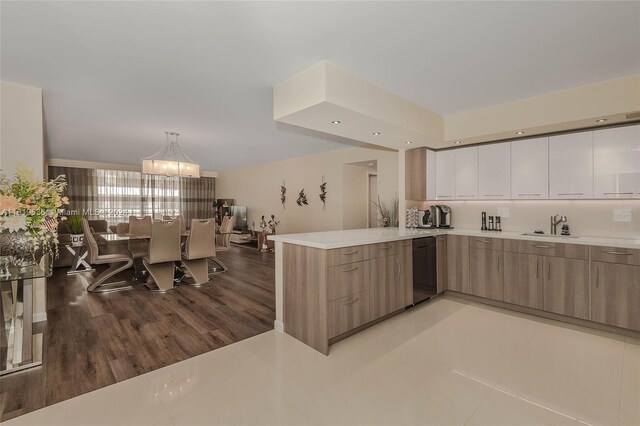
445 175
466 187
530 169
571 166
494 171
431 175
616 164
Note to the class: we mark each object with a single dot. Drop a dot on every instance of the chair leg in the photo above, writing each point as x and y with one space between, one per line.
199 270
162 274
218 267
99 285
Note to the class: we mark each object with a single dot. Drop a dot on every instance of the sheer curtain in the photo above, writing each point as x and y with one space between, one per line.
196 198
114 195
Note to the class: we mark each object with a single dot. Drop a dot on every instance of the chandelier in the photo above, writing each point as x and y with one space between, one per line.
170 161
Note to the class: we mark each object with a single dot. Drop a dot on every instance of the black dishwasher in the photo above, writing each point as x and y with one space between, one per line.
424 269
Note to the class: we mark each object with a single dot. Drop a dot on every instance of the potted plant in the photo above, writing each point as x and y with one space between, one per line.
29 214
75 228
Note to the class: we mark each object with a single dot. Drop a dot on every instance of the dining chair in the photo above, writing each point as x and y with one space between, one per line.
223 243
139 248
164 252
117 262
180 218
199 247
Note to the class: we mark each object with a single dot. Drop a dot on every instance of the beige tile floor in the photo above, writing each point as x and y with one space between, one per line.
445 362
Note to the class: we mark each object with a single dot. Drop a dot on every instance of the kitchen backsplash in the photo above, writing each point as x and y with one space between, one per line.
592 218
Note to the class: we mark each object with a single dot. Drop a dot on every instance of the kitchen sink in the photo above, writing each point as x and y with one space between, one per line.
533 234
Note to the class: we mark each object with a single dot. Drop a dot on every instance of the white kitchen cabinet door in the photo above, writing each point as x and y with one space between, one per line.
571 166
530 169
466 187
494 171
445 175
431 175
616 164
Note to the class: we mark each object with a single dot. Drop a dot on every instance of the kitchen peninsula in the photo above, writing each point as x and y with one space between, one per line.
330 285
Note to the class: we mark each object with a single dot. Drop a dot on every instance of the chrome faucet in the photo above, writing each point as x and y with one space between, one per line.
555 220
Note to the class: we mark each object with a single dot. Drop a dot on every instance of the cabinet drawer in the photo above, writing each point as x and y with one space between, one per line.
345 280
485 243
548 248
345 255
347 313
615 255
385 249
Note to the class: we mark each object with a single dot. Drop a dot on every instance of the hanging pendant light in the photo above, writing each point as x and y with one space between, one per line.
170 161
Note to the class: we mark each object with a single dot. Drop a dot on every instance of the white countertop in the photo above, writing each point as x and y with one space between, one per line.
356 237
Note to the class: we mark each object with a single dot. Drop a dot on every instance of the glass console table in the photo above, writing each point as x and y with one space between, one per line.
20 347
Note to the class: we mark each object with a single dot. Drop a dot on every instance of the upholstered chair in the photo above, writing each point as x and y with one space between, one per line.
223 243
164 251
180 218
139 248
199 247
117 262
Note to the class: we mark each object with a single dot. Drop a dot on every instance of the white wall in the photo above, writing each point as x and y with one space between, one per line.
21 140
592 218
258 187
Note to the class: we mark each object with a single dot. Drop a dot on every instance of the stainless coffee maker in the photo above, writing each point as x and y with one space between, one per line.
441 216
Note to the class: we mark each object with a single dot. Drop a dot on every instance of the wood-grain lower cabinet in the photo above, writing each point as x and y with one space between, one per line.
523 283
386 292
458 263
566 286
347 313
485 271
615 294
441 262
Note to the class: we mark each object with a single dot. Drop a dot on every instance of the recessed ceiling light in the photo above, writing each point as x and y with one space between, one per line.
601 120
376 133
457 142
520 133
335 122
408 142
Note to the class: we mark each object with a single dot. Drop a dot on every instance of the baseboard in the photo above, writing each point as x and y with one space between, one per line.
278 326
39 317
544 314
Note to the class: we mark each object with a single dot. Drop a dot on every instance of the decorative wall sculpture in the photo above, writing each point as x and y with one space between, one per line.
283 195
302 199
323 193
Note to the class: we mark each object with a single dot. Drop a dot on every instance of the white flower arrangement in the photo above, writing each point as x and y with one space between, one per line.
33 206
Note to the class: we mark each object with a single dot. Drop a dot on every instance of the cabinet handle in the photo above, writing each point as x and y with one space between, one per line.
617 253
571 193
528 195
355 268
493 195
351 301
444 196
549 272
540 246
398 264
537 268
386 247
617 193
350 253
597 277
468 196
484 241
406 244
497 264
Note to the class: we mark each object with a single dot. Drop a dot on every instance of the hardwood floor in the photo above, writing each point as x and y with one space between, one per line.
94 340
